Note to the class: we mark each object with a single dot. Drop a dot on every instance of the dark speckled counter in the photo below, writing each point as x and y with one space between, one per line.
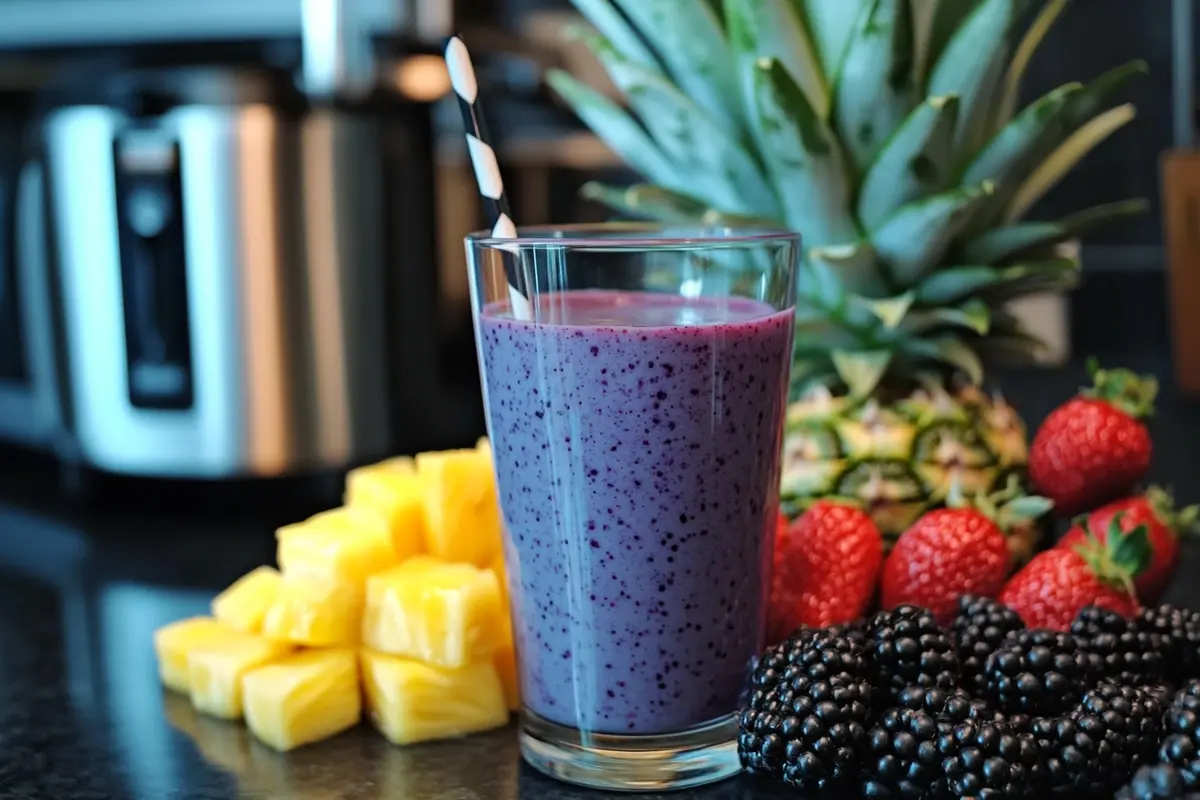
81 713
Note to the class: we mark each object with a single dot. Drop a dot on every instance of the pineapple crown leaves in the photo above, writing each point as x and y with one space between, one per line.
887 132
1120 556
1008 507
1123 389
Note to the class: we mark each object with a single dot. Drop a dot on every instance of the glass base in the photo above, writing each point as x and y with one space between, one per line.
697 756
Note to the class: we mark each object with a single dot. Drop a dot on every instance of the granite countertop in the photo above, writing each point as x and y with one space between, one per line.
81 712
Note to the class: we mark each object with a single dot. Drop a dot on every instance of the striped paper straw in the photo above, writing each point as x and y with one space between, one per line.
487 169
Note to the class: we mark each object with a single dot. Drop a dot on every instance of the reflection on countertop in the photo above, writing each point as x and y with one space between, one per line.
82 714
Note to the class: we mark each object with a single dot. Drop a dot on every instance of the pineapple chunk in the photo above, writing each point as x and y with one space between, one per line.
345 544
175 642
446 614
409 701
303 698
392 490
244 604
215 672
315 613
462 511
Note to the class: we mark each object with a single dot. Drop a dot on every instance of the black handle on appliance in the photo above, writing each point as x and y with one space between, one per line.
150 233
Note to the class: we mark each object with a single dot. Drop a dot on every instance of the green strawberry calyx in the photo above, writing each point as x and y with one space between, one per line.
1007 507
1180 521
1123 389
1118 558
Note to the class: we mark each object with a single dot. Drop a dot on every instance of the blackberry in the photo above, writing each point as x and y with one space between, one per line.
910 649
980 628
819 654
1181 746
950 706
1124 726
807 732
1127 655
1038 672
1180 629
1059 757
986 760
1160 782
901 756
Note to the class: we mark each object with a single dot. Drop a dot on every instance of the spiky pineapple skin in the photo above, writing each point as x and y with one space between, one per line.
899 458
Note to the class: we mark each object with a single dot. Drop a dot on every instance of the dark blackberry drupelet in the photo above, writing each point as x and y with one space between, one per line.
1181 746
901 758
1123 726
986 760
809 733
1159 782
1126 655
816 653
908 648
945 705
1038 672
1180 628
981 626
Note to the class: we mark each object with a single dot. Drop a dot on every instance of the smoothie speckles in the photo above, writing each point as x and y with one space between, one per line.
638 465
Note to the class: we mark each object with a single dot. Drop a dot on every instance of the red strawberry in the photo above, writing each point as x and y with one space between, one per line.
1156 511
825 569
1094 447
955 551
1057 584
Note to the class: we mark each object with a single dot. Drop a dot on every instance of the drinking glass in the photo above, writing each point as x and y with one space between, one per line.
635 381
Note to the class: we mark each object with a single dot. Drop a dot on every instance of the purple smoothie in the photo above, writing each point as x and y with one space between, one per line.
637 443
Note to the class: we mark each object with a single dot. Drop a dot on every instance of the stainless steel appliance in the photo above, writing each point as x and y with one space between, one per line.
228 269
218 251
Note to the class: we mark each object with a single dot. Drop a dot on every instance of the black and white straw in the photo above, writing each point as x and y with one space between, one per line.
483 161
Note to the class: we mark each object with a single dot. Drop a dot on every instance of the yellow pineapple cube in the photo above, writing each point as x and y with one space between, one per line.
392 490
462 510
175 642
215 672
303 698
315 613
443 613
409 701
244 604
345 544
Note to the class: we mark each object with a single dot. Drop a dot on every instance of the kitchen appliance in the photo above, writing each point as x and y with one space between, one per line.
236 260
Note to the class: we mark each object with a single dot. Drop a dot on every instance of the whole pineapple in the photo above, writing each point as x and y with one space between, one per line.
887 132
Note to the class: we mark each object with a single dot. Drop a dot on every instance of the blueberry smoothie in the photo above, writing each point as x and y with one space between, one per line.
637 439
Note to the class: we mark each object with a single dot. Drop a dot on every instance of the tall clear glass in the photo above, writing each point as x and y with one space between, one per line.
635 406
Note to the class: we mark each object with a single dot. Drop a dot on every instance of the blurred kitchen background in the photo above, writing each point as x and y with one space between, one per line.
230 230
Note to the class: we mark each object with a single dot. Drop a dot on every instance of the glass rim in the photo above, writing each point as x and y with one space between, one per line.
635 236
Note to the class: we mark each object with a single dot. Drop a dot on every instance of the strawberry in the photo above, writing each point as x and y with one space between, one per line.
956 551
1155 509
1094 447
825 568
1057 584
